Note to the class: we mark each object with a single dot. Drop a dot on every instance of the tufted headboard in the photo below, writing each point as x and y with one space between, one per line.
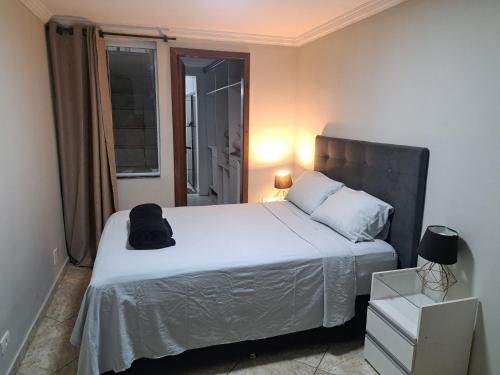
395 174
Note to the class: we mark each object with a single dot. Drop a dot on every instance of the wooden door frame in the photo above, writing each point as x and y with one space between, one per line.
178 115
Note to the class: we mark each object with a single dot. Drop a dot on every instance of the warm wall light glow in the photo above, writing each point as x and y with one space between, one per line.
272 144
305 152
271 150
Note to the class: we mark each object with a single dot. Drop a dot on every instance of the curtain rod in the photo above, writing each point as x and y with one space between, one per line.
162 37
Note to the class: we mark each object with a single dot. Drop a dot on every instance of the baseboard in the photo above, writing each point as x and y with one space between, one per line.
41 312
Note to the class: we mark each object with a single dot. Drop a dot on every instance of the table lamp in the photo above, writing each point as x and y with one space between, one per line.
439 246
282 182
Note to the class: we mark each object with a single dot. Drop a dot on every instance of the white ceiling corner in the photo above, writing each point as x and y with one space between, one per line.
355 15
352 15
38 9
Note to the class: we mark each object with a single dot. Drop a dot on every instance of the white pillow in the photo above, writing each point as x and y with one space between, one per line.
384 233
311 189
356 215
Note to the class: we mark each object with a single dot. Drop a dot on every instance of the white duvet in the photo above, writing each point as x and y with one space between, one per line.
237 272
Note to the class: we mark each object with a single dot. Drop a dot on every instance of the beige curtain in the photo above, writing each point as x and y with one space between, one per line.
82 107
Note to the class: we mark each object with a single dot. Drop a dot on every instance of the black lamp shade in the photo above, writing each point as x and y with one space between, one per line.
282 180
439 245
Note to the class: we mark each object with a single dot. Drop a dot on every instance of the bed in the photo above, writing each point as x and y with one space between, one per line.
270 271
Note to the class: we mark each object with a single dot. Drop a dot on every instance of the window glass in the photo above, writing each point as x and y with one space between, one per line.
132 77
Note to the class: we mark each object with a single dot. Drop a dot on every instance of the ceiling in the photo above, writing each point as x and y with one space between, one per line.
289 22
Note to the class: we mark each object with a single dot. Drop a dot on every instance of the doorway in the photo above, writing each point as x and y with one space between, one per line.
191 142
210 126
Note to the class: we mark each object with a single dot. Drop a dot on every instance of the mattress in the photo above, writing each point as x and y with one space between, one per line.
228 278
370 259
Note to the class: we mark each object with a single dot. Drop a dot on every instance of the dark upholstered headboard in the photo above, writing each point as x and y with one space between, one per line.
395 174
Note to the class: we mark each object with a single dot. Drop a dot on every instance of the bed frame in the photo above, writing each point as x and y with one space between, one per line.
396 174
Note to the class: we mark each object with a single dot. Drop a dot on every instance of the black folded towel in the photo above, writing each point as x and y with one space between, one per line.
148 229
147 210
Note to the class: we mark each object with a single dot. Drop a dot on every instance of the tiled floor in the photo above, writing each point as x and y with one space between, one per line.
316 352
50 351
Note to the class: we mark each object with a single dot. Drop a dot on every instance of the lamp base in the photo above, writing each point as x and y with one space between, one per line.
437 277
281 193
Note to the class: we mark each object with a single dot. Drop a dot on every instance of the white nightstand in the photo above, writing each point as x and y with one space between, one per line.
408 331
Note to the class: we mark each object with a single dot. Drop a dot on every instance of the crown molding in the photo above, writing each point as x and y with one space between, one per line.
357 14
228 36
38 9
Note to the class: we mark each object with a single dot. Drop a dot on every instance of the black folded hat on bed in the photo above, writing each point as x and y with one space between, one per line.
148 229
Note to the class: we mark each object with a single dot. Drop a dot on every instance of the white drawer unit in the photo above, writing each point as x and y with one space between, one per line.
390 337
410 331
380 360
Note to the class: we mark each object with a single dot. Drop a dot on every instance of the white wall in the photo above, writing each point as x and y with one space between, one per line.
424 73
272 122
31 214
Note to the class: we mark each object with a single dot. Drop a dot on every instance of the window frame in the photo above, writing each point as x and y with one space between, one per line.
112 42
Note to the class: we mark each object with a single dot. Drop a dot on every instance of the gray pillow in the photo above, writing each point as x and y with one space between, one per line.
311 189
356 215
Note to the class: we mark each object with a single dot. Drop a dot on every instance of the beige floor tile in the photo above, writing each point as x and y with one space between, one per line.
70 322
50 349
356 366
267 367
311 357
321 372
345 358
34 371
79 275
70 369
69 294
65 303
309 354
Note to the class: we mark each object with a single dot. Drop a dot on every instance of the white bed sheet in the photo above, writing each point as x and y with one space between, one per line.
370 257
233 269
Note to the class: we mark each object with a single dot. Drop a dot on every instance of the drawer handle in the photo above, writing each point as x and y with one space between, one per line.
386 353
396 329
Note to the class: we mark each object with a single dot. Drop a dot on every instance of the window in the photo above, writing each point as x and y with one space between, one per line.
132 77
